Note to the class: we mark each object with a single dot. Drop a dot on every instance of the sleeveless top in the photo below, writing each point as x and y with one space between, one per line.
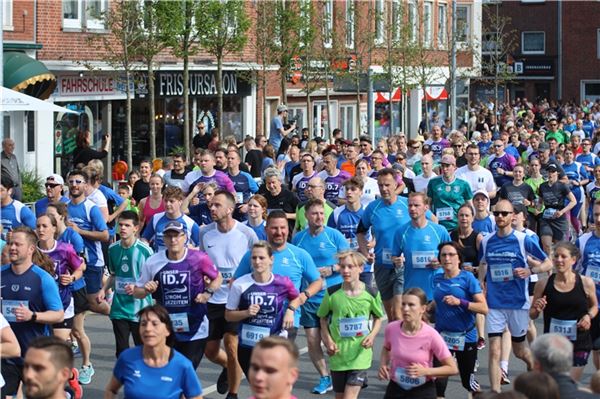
148 211
571 305
469 244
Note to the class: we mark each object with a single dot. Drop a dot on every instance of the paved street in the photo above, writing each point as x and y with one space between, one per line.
100 331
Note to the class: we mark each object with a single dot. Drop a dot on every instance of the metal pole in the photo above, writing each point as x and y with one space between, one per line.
370 116
2 65
559 69
453 68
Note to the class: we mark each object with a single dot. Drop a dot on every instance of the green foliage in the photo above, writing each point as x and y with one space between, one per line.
32 186
179 149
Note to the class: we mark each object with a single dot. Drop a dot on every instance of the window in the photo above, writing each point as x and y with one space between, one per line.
427 24
533 42
7 14
442 28
413 20
396 19
84 13
490 42
305 13
463 23
590 90
380 20
299 115
350 23
30 120
328 23
348 120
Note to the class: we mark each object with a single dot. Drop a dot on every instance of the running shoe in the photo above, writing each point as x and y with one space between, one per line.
324 386
85 374
504 380
222 383
74 384
480 343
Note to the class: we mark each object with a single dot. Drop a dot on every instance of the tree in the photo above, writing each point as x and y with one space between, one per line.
262 46
121 50
222 31
153 26
309 60
181 35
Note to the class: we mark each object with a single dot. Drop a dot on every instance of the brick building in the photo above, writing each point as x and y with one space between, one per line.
57 34
557 47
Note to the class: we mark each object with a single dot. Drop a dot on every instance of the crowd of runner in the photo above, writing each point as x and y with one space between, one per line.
449 241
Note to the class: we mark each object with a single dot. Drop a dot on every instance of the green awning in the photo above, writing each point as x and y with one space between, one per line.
23 73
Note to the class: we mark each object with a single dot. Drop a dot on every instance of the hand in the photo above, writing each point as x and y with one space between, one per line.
416 370
540 304
100 296
370 257
288 319
585 322
384 372
22 313
65 279
151 287
73 226
451 300
500 171
526 202
469 268
203 297
198 187
243 208
331 347
129 289
398 261
522 272
557 214
253 310
434 264
368 341
325 271
195 201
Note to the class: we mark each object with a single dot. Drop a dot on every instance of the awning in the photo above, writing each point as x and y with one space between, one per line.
433 93
24 74
11 100
384 96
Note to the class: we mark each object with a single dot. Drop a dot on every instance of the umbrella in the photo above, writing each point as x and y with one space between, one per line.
11 100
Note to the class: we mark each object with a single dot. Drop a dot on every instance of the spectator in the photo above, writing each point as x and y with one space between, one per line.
277 131
83 153
537 385
10 166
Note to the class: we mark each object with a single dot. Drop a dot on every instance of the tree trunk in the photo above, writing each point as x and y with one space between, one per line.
309 115
220 96
265 102
152 110
283 83
128 119
186 106
328 102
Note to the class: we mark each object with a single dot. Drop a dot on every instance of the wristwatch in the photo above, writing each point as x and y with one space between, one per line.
33 317
305 292
209 291
292 308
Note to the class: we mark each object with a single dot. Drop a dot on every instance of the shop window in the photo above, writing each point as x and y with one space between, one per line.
7 14
442 28
328 24
533 42
463 24
323 123
350 23
348 120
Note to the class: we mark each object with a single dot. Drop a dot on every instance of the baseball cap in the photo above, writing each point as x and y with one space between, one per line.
366 139
481 192
544 146
282 107
552 167
448 159
54 178
175 226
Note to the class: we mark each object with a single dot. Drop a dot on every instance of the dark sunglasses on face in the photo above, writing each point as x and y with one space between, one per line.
502 213
51 185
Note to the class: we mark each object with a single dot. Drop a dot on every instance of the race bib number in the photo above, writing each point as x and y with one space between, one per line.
566 328
353 243
121 283
239 197
180 322
593 272
407 382
9 307
549 213
354 327
454 340
252 334
226 277
420 259
501 273
445 213
386 256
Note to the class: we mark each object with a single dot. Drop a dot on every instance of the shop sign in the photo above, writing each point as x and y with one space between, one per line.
170 84
92 85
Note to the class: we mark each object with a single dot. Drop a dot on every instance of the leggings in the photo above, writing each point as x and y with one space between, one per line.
466 365
193 350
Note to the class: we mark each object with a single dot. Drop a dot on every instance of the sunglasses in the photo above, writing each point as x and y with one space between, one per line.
446 165
415 148
498 146
50 185
502 213
76 181
457 145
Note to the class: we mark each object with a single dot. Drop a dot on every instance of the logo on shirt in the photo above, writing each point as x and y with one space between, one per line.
125 268
15 287
26 288
166 378
321 245
285 261
427 238
137 373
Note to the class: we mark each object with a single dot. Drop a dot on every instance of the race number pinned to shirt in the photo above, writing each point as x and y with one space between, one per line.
121 283
407 382
386 256
180 322
252 334
420 259
593 272
454 340
502 272
566 328
354 327
446 213
549 213
239 197
9 307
